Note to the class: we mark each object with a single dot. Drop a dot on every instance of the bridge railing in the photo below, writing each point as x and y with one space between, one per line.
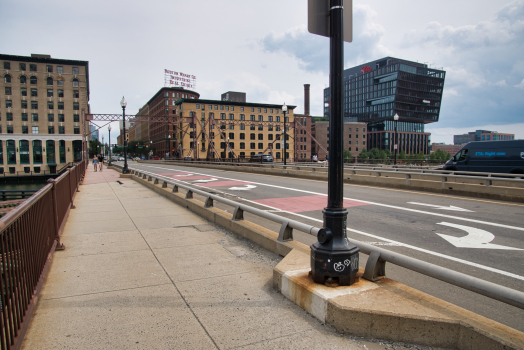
29 234
375 267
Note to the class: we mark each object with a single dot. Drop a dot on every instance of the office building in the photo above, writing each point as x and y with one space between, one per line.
451 149
41 104
233 96
481 135
375 91
355 138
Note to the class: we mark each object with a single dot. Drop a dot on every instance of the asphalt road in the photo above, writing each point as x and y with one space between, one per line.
481 238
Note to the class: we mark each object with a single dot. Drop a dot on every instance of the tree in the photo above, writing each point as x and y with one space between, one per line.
440 155
402 155
347 154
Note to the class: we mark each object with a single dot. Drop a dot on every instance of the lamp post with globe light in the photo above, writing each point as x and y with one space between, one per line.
396 117
284 109
123 103
109 129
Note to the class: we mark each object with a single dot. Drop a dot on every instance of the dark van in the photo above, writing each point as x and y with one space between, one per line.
489 157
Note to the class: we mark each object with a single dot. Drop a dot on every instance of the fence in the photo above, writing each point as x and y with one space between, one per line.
29 235
375 267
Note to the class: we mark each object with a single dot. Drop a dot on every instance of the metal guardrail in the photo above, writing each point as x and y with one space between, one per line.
375 267
29 234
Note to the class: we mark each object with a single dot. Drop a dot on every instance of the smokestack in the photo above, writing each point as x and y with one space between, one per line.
306 99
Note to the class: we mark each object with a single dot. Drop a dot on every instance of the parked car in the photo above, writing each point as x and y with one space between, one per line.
155 158
261 158
121 159
188 158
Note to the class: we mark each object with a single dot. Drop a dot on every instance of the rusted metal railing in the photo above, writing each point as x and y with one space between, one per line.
29 235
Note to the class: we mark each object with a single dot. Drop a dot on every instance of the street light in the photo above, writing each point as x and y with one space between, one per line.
284 109
396 117
123 103
103 147
150 147
109 129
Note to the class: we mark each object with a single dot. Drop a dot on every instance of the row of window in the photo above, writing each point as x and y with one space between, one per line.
252 145
38 150
251 117
34 92
33 68
176 95
34 117
227 108
34 105
36 129
33 80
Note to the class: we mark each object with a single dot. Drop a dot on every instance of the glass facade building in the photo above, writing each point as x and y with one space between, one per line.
375 91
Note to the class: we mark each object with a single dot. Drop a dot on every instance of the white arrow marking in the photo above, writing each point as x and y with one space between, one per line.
246 187
206 180
476 238
451 207
181 175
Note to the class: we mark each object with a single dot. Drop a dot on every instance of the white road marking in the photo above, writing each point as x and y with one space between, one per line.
465 262
378 204
442 207
205 180
476 238
243 188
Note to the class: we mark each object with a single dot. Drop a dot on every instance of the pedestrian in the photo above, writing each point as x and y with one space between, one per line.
95 162
100 161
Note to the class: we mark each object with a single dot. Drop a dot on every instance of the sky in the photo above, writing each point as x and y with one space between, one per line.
263 48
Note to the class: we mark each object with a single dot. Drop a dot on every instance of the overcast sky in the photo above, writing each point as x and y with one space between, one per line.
263 48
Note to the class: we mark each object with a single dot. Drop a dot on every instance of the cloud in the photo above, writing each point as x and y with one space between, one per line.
521 85
312 51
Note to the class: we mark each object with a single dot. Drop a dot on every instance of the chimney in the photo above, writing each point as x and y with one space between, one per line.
306 99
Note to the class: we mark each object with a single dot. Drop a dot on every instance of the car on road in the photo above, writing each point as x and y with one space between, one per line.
155 158
261 158
121 158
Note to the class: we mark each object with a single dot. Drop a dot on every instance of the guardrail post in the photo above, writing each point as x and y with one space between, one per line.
286 232
164 184
59 246
489 183
208 203
175 189
375 268
70 192
189 194
149 178
144 176
156 181
238 214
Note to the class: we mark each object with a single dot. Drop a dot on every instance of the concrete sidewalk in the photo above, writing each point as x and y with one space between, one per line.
140 272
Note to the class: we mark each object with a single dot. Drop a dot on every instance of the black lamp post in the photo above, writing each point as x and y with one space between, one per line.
396 137
123 103
284 109
333 257
109 129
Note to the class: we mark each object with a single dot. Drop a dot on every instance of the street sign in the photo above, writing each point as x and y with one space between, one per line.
318 18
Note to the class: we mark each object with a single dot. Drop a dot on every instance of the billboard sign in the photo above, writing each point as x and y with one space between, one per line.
179 79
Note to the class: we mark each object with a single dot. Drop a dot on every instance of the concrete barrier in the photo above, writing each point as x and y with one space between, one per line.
384 309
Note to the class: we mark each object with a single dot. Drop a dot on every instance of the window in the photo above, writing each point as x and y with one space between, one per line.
50 92
252 127
363 129
222 145
34 104
242 127
50 105
231 116
222 116
7 65
75 70
270 137
241 109
363 143
60 105
8 90
34 117
61 118
259 110
350 142
9 117
34 92
9 103
260 118
251 136
24 117
242 145
252 109
22 66
252 117
34 130
221 107
231 126
61 129
76 118
23 104
37 152
260 145
23 79
23 91
50 117
25 129
216 107
32 67
33 80
60 93
349 136
242 136
76 106
49 69
75 82
60 82
59 69
270 118
10 130
252 145
231 136
242 117
76 130
50 129
270 128
278 118
260 127
357 129
49 81
232 108
261 136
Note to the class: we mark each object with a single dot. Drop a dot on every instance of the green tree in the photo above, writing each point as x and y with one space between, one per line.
402 155
347 154
440 155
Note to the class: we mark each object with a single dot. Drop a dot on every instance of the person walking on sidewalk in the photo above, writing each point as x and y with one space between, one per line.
95 162
101 161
